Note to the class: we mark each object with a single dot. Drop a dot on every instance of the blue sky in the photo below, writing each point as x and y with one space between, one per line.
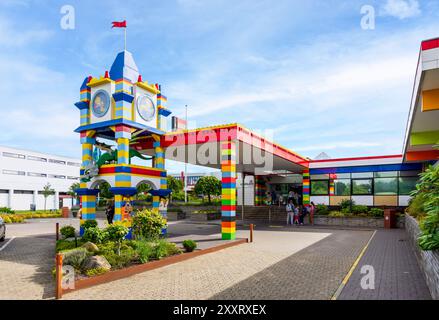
304 71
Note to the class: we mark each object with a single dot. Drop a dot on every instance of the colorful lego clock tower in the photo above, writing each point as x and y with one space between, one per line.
122 108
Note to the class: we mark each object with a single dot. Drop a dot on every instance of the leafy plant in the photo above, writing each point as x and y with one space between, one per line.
117 232
6 210
95 271
337 214
126 255
428 190
89 224
322 209
67 231
75 257
346 205
148 224
145 250
189 245
376 212
357 209
416 206
95 235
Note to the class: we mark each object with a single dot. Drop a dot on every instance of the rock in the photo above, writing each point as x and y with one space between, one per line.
95 262
69 239
90 246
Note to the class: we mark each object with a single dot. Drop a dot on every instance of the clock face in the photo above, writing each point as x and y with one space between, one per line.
145 107
100 103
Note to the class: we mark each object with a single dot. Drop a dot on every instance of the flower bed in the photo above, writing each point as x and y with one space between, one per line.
20 217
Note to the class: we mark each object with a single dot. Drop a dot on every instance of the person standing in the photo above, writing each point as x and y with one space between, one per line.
109 212
302 213
312 208
290 212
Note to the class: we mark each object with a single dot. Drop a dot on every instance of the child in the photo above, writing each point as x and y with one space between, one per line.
290 212
296 215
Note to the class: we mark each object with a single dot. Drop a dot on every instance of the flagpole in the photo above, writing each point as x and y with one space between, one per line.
125 39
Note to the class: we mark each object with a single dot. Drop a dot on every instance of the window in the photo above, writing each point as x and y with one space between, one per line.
36 158
407 185
13 172
386 186
74 164
13 155
360 175
73 178
341 176
387 174
57 161
33 174
23 192
319 177
320 187
342 187
56 176
362 186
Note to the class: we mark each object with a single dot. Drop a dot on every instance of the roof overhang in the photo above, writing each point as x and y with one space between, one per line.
422 130
254 153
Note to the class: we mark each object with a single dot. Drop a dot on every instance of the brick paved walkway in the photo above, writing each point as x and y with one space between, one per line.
397 274
25 268
204 276
313 273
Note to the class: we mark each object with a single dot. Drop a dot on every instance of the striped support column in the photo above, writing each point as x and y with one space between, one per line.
123 99
159 163
305 192
118 204
331 187
228 193
259 190
88 203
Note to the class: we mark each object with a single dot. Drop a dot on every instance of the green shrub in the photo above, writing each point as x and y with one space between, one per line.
126 257
356 209
346 205
376 212
337 214
95 235
62 245
148 224
75 257
89 224
67 231
416 206
6 210
322 209
117 232
145 250
189 245
95 272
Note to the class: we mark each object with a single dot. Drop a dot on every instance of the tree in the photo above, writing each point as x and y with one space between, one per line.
176 186
47 191
208 185
72 191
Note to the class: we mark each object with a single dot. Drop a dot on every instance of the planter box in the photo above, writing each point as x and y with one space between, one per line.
428 260
368 222
174 215
205 216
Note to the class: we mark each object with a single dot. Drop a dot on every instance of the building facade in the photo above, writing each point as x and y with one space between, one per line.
24 174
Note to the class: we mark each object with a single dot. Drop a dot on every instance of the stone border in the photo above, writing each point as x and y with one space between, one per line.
428 260
130 271
371 222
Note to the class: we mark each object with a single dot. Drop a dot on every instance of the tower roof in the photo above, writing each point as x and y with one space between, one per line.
124 66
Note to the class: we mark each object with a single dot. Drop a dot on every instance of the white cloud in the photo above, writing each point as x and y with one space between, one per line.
401 9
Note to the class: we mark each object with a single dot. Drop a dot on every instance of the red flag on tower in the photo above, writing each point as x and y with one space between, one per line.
119 24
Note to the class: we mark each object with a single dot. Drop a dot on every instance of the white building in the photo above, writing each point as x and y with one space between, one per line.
24 173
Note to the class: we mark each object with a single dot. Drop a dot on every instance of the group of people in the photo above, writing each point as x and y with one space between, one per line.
297 213
274 198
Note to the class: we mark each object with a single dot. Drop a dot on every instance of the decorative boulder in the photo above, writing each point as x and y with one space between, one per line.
91 247
95 262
